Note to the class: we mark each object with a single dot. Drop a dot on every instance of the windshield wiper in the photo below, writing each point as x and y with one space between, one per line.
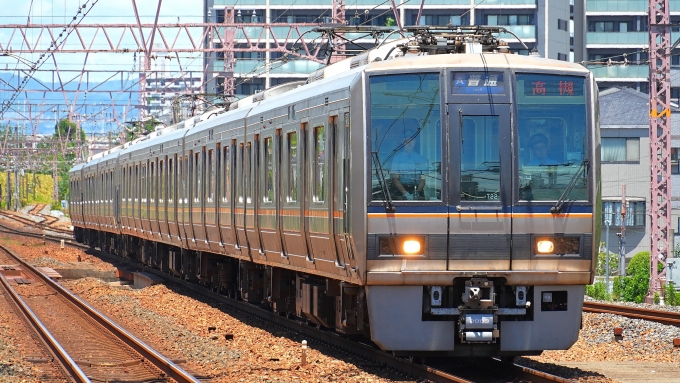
558 205
383 184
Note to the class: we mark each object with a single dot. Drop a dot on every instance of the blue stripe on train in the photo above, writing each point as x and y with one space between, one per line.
534 208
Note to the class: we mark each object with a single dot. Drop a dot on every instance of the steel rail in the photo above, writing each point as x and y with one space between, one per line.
664 317
363 350
62 357
170 369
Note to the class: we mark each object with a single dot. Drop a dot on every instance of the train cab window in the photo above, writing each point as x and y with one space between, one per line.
552 137
319 168
480 159
268 195
406 137
226 174
292 148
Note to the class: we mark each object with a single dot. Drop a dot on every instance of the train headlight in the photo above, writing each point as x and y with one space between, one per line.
412 246
402 246
545 246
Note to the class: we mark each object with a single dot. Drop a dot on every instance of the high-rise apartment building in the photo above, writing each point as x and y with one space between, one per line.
540 24
612 37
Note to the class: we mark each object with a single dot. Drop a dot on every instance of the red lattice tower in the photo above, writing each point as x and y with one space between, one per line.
659 139
339 52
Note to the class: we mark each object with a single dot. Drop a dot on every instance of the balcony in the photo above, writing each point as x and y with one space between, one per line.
641 6
622 38
522 31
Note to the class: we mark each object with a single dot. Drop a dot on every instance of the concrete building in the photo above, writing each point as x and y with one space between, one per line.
542 24
624 118
612 36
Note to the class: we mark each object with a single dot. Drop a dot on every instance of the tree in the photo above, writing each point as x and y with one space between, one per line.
141 128
636 282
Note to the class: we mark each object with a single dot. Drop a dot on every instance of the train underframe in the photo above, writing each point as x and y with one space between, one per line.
474 316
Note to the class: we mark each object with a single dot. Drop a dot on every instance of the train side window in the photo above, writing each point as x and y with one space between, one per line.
171 179
268 196
292 146
152 182
249 172
210 182
161 184
226 174
319 176
239 175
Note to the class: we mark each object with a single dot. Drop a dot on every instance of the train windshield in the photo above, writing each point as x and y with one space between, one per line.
552 137
406 137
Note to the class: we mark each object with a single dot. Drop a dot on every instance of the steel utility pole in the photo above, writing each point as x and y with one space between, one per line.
659 140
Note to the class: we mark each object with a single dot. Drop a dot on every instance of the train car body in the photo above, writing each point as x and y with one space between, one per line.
402 195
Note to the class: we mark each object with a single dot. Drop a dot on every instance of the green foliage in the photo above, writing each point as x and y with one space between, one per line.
602 263
670 296
390 22
598 290
657 298
636 281
617 288
140 128
67 130
33 188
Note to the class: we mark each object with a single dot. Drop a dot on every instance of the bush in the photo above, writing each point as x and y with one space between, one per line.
598 291
636 282
617 288
670 296
657 298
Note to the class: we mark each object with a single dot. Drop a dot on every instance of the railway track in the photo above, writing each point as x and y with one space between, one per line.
46 224
440 370
87 345
664 317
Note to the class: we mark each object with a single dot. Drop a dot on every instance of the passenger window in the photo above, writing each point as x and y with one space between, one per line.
268 196
210 182
319 176
226 174
161 186
292 193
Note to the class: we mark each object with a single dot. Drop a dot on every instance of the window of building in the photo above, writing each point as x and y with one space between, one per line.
562 24
620 149
635 213
440 19
675 153
509 19
562 56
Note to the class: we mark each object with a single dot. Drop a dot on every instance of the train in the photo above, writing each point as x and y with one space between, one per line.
437 194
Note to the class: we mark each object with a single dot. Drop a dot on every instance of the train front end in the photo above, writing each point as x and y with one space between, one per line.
482 212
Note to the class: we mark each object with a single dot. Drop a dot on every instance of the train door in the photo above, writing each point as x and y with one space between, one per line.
341 203
481 193
319 209
292 196
173 196
267 203
226 212
242 164
183 219
212 233
251 184
163 176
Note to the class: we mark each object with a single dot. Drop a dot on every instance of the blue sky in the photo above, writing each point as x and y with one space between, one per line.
61 12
